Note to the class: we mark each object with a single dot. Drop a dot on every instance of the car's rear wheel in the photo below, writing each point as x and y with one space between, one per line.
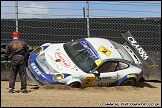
75 84
128 82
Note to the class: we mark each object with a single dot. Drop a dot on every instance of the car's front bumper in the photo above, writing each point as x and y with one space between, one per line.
40 77
30 74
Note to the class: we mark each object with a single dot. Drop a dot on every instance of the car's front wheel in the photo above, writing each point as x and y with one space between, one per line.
75 84
128 82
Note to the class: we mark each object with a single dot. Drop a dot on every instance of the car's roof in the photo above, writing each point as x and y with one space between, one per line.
98 42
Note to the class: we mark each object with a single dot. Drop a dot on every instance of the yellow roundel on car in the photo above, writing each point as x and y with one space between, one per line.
58 77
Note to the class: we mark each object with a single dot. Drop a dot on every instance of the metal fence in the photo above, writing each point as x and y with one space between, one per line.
60 21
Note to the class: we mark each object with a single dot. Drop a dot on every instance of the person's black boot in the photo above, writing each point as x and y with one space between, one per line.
11 90
24 91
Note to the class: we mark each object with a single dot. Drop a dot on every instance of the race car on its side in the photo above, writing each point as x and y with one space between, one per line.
88 62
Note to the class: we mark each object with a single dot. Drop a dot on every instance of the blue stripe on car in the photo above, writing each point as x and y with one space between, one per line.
44 47
42 76
89 49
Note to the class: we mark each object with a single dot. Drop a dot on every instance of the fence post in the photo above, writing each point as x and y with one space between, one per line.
16 8
88 18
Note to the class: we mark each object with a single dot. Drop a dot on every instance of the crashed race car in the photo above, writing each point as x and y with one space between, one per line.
90 62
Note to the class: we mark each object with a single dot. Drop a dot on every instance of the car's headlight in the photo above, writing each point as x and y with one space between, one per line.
58 77
38 50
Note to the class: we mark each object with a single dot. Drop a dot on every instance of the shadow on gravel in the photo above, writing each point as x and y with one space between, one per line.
146 84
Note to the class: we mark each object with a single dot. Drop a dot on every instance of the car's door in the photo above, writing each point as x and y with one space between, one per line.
102 79
105 79
106 74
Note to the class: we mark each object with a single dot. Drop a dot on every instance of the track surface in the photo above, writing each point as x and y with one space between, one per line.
146 93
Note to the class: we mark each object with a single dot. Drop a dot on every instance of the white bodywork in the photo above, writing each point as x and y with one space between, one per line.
56 52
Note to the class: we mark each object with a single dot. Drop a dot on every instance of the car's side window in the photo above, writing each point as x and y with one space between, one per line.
122 65
107 67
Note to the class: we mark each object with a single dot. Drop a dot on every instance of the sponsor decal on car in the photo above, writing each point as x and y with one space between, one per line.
75 68
89 49
98 61
88 80
35 68
133 42
131 76
43 61
104 50
64 60
100 84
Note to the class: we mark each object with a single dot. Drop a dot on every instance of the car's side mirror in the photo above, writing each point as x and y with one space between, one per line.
96 73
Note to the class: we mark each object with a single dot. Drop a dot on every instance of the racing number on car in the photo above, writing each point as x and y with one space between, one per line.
104 50
88 80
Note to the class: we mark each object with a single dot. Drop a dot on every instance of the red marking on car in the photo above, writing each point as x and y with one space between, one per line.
75 67
64 60
85 46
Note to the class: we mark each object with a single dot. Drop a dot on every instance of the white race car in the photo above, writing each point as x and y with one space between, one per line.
87 62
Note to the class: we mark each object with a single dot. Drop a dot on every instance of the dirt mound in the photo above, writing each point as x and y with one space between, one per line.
112 88
58 86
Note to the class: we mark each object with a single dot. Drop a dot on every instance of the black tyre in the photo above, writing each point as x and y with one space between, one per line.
75 84
128 82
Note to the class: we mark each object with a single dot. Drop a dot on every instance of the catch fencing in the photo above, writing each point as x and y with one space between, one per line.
39 22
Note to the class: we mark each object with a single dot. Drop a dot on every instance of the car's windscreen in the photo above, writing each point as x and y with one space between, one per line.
122 51
80 56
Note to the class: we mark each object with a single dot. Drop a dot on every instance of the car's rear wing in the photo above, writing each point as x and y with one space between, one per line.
148 64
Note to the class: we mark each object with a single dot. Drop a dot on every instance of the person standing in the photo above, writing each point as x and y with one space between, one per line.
18 51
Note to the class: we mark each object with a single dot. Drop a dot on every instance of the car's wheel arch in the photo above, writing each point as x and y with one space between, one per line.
129 82
73 82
